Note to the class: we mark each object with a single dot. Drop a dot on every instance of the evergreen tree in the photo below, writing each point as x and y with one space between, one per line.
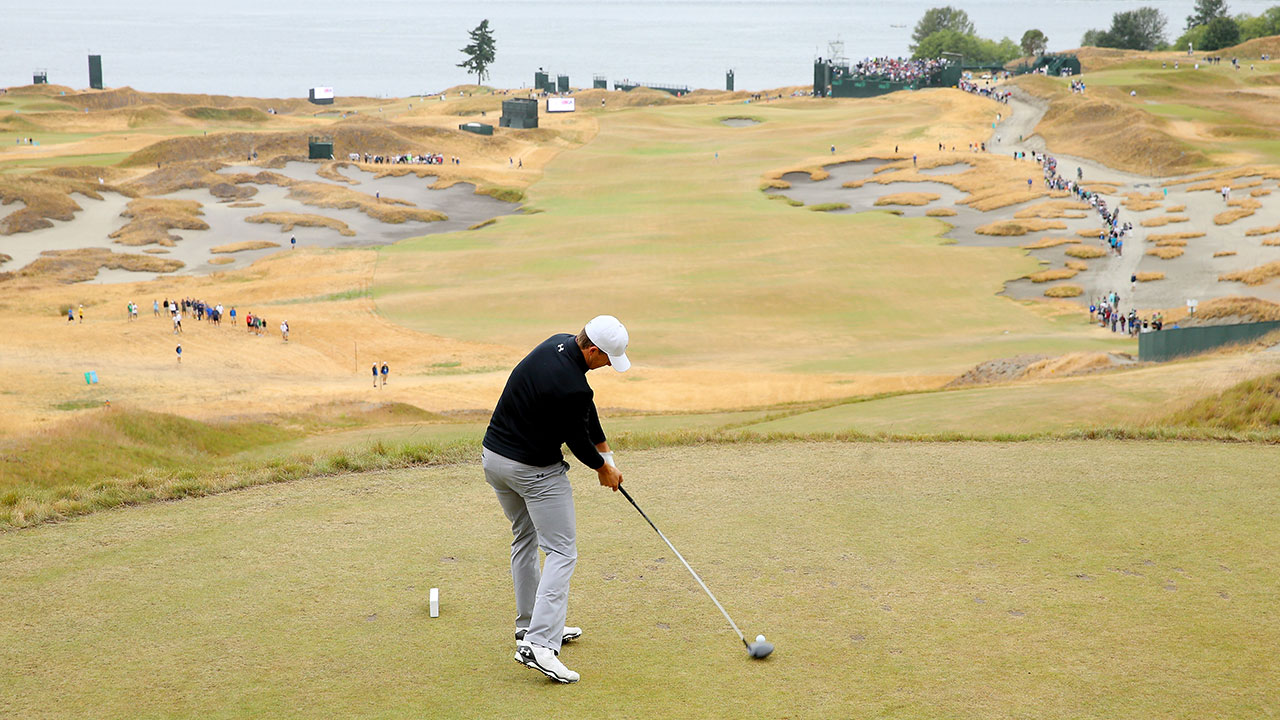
1205 11
480 52
941 18
1221 32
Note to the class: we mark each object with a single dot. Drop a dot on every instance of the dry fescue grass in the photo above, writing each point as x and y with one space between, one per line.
1254 276
221 260
72 266
387 210
1272 241
1054 209
1166 252
1064 291
1244 207
483 224
288 221
1171 243
1262 230
1251 405
1217 185
1110 130
1139 202
914 199
1085 252
1172 209
940 212
1010 228
329 171
991 181
1077 265
46 195
1051 275
1159 238
1233 308
1259 192
1224 253
151 219
1048 242
243 246
246 205
1164 220
1077 363
828 207
1149 276
156 251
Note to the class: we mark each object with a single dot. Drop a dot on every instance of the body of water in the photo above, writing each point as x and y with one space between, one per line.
279 48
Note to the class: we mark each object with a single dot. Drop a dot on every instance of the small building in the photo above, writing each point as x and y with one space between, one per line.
477 128
600 82
519 114
320 147
40 77
320 95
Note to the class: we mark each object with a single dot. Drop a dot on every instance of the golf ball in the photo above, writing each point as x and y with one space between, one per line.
759 638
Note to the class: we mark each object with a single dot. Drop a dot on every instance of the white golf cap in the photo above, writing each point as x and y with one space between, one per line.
609 335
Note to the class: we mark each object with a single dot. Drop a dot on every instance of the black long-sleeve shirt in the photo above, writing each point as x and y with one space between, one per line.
547 402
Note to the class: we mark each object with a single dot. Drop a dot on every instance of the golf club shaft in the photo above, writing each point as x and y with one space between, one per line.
686 565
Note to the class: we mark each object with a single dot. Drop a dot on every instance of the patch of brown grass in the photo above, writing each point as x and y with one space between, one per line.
1171 243
1227 217
1092 234
1262 230
221 260
151 219
244 245
1064 291
1054 209
1138 202
245 205
1149 276
46 196
1077 265
1224 253
940 212
1051 275
1048 242
72 266
1158 238
1085 252
288 221
1272 241
1166 253
1008 228
387 210
1259 192
156 251
1253 276
1176 209
914 199
329 171
1164 220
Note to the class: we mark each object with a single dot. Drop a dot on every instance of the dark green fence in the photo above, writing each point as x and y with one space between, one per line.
1180 342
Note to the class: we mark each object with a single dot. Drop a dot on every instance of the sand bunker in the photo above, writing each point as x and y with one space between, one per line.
228 222
738 122
1192 274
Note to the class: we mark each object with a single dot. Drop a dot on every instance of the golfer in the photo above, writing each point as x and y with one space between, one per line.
547 402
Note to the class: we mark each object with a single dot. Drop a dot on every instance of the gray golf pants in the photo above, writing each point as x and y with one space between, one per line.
539 503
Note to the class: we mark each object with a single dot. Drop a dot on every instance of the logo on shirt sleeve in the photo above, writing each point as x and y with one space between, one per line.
560 347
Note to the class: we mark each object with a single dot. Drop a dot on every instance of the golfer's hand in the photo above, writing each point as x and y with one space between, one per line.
609 476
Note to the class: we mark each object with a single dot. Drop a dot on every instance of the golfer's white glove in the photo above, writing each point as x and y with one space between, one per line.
608 458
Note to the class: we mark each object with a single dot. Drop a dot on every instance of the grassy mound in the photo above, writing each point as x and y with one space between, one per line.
828 207
1064 291
151 219
914 199
1251 405
1048 242
1254 276
940 212
1149 276
72 266
1011 228
1171 238
1163 220
1224 253
1054 209
243 246
1166 252
288 221
1085 252
1052 275
236 115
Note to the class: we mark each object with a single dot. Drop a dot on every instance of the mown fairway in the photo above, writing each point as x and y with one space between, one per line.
1039 579
646 222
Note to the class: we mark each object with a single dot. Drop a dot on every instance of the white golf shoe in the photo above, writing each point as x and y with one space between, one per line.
544 660
570 633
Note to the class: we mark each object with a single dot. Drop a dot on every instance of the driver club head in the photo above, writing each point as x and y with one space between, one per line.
759 650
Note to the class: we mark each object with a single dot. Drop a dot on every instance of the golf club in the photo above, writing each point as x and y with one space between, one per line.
758 649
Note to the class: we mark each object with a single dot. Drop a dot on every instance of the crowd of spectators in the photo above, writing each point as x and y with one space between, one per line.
403 159
897 69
